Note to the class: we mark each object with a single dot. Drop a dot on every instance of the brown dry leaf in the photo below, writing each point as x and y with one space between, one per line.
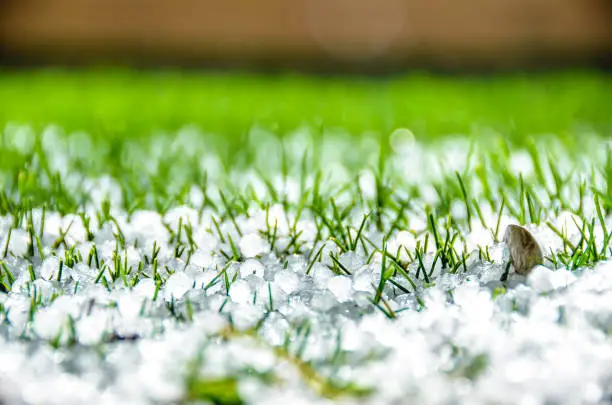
525 253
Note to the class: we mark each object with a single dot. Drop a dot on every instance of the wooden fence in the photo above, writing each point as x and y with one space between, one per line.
314 33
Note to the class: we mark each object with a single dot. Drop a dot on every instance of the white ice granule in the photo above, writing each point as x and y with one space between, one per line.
103 189
321 275
240 292
210 322
178 284
145 288
202 258
252 267
184 215
367 184
404 239
542 279
491 273
50 268
252 245
80 391
341 287
82 273
18 243
246 316
91 328
50 323
74 228
270 294
323 301
287 281
17 311
274 329
44 289
147 226
20 137
521 163
130 305
363 280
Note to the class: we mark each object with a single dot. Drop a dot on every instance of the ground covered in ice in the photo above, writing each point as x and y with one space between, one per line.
301 271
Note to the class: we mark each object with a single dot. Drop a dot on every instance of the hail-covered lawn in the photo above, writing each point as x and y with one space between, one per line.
314 268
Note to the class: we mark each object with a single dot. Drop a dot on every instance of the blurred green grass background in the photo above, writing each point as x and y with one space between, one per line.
123 104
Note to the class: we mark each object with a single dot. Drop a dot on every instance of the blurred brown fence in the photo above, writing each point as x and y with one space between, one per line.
315 33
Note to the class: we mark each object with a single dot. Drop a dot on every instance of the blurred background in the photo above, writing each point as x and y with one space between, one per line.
308 35
128 68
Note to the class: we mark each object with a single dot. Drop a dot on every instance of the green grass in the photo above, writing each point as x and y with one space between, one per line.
122 103
346 224
120 109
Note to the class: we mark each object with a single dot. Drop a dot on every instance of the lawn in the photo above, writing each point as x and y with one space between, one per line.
194 238
133 104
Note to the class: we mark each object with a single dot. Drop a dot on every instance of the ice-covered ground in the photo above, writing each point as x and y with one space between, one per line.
259 299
